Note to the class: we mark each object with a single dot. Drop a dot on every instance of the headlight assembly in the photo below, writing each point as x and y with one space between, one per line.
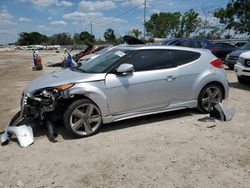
63 87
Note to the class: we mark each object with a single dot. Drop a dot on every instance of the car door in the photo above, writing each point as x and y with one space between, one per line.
150 86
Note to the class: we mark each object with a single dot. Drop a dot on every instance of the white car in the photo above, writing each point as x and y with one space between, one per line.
242 68
125 82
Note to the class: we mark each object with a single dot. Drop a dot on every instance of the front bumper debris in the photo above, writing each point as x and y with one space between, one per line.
24 134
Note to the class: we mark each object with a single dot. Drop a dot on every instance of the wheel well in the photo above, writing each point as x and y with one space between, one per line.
218 84
77 96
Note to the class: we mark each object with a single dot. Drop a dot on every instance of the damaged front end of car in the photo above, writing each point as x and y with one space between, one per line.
39 107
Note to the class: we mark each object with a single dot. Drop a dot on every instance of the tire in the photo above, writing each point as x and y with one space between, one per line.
82 118
242 80
209 96
231 67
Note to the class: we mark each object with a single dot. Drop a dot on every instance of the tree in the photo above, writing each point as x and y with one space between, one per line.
226 17
109 35
61 39
86 37
189 23
31 38
136 32
242 12
165 24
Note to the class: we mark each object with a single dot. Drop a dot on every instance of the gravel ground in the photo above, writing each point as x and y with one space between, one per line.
165 150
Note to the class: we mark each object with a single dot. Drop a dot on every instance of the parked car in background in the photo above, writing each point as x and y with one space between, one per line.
126 82
88 57
223 48
232 58
239 44
190 42
242 68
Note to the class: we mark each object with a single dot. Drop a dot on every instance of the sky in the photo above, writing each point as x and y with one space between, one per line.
55 16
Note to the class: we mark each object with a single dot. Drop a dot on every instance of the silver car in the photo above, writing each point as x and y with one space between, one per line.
126 82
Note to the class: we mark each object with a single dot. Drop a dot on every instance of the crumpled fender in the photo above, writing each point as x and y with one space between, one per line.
94 94
24 134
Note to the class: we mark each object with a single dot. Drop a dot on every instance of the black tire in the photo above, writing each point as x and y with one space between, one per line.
231 67
242 80
207 101
82 118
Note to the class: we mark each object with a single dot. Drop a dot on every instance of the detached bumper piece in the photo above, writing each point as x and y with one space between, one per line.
221 113
24 134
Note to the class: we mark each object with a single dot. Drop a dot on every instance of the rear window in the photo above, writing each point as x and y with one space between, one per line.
183 57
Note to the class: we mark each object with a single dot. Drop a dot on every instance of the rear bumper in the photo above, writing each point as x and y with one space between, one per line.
240 70
230 62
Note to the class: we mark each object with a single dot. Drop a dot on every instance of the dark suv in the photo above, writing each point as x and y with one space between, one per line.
190 42
232 58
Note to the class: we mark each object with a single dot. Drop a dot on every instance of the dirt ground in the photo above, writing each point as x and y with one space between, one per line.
165 150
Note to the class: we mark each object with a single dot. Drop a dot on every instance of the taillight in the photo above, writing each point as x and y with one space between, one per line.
217 63
213 49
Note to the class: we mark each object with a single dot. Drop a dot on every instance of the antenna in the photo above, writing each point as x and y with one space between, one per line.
91 28
145 6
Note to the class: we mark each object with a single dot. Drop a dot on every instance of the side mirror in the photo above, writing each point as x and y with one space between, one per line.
125 69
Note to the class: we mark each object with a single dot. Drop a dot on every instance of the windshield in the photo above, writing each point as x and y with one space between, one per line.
246 46
103 62
102 51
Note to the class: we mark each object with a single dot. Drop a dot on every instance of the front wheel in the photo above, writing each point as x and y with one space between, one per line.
209 96
82 118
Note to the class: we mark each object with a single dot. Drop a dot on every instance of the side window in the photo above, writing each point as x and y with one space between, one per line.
199 44
183 57
185 43
144 60
228 46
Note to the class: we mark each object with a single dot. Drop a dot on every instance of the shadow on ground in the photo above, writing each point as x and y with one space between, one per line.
41 130
237 85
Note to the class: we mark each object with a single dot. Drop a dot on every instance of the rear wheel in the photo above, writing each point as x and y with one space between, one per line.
209 96
82 118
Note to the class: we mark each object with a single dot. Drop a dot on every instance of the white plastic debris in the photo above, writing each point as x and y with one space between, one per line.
23 133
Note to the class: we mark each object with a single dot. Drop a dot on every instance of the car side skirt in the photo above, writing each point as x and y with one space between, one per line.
171 107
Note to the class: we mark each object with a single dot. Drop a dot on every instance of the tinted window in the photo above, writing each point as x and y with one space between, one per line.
185 43
183 57
144 60
246 46
199 44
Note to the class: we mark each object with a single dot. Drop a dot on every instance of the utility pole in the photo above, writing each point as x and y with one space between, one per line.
91 28
144 30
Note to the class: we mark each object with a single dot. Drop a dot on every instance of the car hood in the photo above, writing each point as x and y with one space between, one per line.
237 52
62 77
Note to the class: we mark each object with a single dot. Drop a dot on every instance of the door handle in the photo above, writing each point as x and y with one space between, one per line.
170 78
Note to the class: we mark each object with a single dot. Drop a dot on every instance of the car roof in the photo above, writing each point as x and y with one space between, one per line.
159 47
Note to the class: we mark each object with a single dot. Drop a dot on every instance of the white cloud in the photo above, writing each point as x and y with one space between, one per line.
47 3
50 18
8 26
65 3
43 28
132 2
59 23
90 6
5 15
82 16
96 18
39 3
24 19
